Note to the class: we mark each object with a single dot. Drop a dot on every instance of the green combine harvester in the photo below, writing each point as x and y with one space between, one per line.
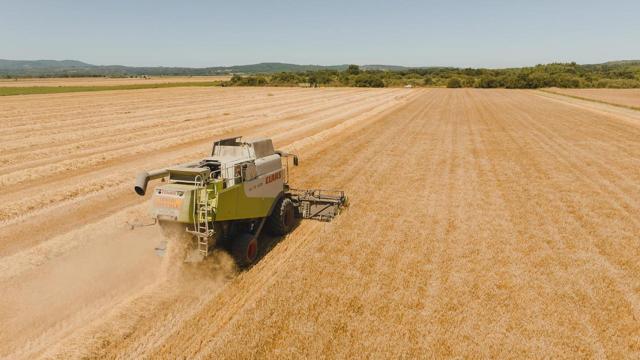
230 196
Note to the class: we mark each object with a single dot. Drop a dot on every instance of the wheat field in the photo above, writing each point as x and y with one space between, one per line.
482 224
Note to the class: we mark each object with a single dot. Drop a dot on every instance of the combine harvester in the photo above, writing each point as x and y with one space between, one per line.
232 195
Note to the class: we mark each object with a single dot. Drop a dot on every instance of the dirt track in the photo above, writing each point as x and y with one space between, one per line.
494 223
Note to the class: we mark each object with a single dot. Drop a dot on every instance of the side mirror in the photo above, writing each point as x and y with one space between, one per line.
295 160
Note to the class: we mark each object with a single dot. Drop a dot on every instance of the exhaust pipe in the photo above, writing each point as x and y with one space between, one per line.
286 154
144 177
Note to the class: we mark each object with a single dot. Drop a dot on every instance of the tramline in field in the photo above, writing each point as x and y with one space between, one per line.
230 196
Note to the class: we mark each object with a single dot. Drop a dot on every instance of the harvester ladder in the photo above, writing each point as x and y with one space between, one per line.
201 218
305 209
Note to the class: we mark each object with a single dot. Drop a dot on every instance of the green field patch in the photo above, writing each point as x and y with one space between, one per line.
34 90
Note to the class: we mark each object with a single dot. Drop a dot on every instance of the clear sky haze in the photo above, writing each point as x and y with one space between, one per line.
412 33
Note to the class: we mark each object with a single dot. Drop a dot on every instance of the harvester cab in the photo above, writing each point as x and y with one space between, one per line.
230 196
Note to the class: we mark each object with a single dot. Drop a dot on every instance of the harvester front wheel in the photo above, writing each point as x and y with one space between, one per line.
244 249
282 219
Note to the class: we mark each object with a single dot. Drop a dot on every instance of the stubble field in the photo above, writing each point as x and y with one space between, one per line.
483 223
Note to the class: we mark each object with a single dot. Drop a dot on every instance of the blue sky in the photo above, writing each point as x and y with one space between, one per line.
413 33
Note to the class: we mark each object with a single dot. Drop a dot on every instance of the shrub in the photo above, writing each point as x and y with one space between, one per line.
284 78
369 80
247 81
353 70
454 83
488 82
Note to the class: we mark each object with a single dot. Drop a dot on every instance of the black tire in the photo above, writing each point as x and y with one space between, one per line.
282 219
244 249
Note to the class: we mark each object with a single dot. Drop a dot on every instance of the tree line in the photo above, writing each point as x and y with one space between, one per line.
563 75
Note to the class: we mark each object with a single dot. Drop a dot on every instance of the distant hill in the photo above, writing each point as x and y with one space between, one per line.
284 67
41 64
621 62
274 67
383 67
78 68
45 68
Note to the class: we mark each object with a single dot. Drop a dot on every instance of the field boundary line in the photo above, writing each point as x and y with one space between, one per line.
629 116
592 100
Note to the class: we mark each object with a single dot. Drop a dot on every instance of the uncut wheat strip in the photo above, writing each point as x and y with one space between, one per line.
558 255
